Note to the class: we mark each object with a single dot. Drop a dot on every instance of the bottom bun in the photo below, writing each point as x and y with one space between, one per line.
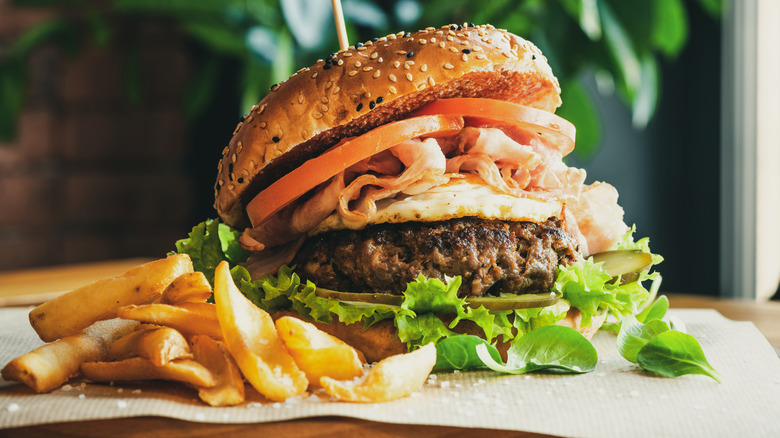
380 341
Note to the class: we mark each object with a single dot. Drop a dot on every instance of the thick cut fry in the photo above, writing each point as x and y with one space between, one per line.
191 287
160 346
69 313
197 321
251 338
212 354
137 368
317 353
394 377
51 365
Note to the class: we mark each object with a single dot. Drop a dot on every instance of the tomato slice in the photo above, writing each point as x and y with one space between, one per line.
319 169
559 131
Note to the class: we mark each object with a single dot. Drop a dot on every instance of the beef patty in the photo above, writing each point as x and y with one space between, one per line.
491 256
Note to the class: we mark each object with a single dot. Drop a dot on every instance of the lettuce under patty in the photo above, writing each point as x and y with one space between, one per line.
583 285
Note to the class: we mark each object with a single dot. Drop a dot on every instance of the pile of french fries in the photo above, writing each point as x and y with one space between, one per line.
154 323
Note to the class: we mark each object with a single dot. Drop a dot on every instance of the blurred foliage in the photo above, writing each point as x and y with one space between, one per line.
621 42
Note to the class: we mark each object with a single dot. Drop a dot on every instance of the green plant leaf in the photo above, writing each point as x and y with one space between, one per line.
13 83
200 88
670 26
586 13
623 53
578 108
460 353
673 354
634 335
655 311
283 65
646 96
551 347
308 20
218 37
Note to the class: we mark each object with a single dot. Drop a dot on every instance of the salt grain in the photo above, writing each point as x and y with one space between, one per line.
13 407
66 387
82 396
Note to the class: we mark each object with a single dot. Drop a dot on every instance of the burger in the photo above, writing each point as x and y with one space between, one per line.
412 188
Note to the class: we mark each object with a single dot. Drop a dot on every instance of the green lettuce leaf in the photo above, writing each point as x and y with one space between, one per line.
209 243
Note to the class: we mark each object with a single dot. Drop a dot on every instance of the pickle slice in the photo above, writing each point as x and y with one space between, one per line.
511 302
628 264
504 302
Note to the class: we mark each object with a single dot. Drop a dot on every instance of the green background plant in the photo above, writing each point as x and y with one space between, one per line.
621 42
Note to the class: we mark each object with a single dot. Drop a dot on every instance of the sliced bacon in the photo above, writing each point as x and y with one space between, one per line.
599 217
270 260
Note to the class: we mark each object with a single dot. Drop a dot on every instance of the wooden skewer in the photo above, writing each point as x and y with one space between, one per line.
338 16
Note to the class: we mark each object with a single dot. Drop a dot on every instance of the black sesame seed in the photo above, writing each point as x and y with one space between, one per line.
410 54
240 180
274 86
380 99
371 105
326 66
454 27
219 186
466 51
407 34
533 56
359 45
359 107
243 118
330 56
373 40
275 139
472 25
230 168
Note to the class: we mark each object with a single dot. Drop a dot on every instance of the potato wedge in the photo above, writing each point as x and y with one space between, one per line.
317 353
251 338
200 320
69 313
160 345
391 378
191 287
229 388
137 368
49 366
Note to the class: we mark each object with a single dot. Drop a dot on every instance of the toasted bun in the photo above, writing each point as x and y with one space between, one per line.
365 86
380 341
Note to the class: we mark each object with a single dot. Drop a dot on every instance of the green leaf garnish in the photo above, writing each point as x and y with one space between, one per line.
673 354
460 353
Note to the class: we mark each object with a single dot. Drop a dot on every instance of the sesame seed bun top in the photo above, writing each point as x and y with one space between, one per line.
367 85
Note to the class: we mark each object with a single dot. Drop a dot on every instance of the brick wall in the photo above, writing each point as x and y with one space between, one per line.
89 175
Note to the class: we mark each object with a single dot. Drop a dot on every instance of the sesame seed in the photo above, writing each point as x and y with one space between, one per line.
240 147
368 68
480 56
410 54
392 89
324 99
401 52
252 163
240 180
231 187
407 34
424 67
409 77
274 86
371 105
396 64
262 108
317 115
380 59
346 54
353 73
466 51
433 40
361 48
359 44
225 151
465 57
453 27
300 98
431 81
477 49
392 77
263 125
374 55
442 45
329 84
380 99
336 90
326 66
420 86
233 158
533 56
341 62
376 74
358 64
230 171
422 41
450 38
275 139
373 40
454 49
408 64
314 75
324 108
359 107
449 66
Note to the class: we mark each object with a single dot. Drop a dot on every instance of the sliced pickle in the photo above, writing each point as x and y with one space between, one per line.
628 264
493 303
511 302
373 298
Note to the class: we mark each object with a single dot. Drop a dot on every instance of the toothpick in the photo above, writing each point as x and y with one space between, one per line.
338 16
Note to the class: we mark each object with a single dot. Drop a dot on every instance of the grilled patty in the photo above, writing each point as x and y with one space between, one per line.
491 256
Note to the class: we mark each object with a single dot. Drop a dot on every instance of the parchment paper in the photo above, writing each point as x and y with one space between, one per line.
615 400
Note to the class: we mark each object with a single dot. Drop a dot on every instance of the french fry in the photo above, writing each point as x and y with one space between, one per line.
160 346
191 287
196 320
69 313
391 378
137 368
49 366
251 338
317 353
229 388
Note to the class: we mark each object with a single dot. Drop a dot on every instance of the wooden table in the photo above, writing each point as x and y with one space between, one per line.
35 284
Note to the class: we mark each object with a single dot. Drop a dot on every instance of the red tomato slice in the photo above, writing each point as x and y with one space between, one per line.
319 169
559 131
